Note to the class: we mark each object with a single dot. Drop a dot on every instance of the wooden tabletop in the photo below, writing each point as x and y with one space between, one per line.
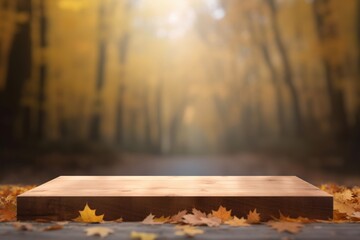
176 186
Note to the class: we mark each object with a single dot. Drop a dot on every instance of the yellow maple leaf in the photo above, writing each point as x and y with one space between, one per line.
188 231
253 217
98 231
88 215
143 235
222 214
237 222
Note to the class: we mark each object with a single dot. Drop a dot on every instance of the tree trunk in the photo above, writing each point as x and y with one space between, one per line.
123 52
19 58
147 120
159 112
288 76
275 79
95 125
327 33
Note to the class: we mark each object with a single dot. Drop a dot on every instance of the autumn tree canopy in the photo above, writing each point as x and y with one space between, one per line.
179 76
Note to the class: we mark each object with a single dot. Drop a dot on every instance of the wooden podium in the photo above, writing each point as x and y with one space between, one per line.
134 197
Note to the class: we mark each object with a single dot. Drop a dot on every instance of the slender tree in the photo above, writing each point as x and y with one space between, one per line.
328 33
287 71
19 57
259 38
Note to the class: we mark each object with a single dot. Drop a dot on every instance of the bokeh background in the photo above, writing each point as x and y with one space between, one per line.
180 87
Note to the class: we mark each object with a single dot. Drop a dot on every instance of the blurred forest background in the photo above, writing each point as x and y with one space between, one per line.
84 81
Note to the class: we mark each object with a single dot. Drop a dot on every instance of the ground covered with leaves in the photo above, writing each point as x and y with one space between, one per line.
194 223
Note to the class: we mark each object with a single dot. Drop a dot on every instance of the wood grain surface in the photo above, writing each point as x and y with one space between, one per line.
134 197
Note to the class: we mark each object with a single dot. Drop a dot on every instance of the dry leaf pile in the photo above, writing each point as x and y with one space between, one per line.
346 202
8 194
346 209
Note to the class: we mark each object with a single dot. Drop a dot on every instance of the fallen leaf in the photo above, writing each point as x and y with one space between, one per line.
53 227
211 221
222 214
196 220
253 217
63 223
23 226
7 215
119 220
143 235
338 216
237 222
298 219
344 196
178 218
198 213
162 219
88 216
150 220
188 231
290 227
41 220
192 219
356 214
98 231
343 208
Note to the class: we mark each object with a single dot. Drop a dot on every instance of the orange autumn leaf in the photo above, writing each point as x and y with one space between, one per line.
253 217
338 216
222 214
177 218
200 218
8 194
7 215
53 227
343 208
343 196
299 219
162 219
291 227
237 222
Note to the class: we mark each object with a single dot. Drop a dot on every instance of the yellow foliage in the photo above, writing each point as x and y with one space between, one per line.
88 216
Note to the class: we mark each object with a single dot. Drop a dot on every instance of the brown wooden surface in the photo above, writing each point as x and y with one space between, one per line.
134 197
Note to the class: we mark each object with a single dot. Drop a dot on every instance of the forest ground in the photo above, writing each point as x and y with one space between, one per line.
45 166
76 231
